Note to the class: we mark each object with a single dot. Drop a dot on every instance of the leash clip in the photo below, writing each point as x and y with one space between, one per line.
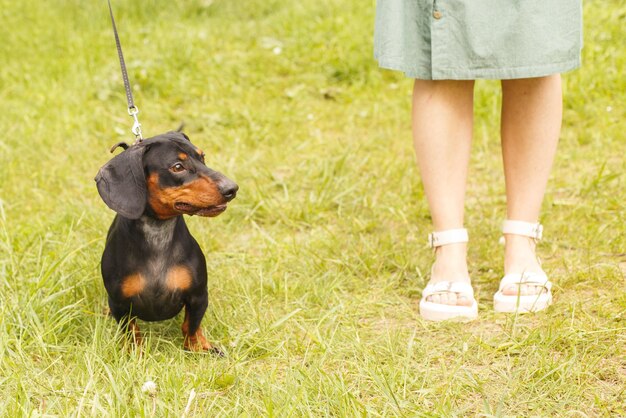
136 129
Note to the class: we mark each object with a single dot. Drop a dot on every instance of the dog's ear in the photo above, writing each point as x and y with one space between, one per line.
122 183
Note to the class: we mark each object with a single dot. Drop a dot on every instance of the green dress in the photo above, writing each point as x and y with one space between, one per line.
471 39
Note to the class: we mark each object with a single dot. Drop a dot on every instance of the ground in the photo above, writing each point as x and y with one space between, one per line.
317 266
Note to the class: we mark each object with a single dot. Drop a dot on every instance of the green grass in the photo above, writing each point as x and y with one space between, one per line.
317 267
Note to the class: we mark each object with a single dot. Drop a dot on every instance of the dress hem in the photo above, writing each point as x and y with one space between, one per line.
480 73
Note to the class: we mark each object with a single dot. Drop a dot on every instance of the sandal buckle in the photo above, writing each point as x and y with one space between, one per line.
432 240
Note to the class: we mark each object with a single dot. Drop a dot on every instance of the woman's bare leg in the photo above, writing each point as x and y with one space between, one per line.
442 133
531 123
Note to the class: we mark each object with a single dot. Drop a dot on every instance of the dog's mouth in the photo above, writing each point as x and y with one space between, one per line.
189 209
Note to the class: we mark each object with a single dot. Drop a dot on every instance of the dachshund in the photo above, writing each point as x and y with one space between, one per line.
152 266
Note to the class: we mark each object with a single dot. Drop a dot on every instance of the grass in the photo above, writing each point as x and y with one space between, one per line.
317 267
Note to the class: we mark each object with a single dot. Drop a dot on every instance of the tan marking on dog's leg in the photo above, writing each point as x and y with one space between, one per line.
136 334
195 342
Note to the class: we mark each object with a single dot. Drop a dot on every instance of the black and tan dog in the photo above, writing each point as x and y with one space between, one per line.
152 267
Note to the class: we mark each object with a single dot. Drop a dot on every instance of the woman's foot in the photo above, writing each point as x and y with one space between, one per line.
449 294
519 257
524 287
450 266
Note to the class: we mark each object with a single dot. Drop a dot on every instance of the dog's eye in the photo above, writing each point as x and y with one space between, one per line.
177 168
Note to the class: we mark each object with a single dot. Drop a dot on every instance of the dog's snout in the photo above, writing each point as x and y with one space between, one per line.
228 189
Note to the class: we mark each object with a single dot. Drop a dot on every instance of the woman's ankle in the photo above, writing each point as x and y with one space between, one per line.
519 255
450 263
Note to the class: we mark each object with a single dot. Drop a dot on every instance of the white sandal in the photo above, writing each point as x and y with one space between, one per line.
440 312
523 303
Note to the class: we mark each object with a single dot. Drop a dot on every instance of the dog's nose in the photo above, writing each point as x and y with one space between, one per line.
228 189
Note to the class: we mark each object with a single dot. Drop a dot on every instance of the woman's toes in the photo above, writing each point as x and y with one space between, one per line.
450 298
443 298
510 290
536 290
531 289
434 298
463 301
523 289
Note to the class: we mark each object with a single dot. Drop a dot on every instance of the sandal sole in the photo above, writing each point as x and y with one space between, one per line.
437 312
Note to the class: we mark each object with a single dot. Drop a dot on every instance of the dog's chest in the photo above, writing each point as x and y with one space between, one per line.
162 289
163 277
158 235
159 250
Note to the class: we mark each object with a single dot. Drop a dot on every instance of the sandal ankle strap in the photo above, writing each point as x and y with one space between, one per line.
526 229
449 236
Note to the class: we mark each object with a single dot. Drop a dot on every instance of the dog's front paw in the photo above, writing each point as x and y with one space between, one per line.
198 343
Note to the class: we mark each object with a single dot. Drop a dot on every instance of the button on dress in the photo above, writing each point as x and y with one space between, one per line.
472 39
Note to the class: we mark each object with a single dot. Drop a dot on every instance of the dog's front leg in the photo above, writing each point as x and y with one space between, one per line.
121 313
195 307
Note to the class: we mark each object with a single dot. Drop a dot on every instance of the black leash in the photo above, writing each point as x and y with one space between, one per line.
132 109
